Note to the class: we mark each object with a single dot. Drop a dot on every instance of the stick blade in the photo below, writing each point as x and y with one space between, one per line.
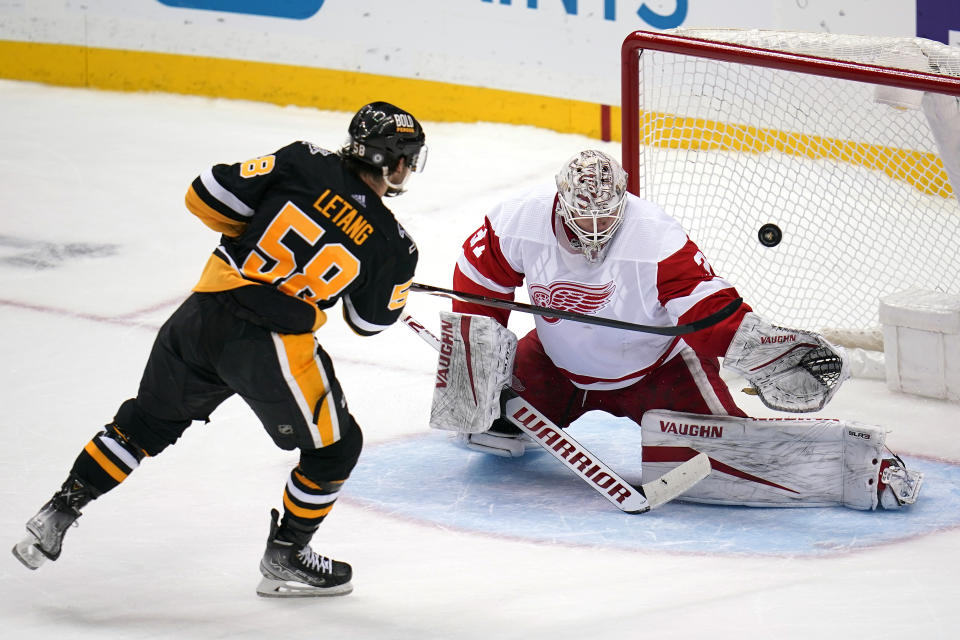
676 481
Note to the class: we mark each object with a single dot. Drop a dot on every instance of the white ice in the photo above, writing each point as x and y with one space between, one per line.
96 249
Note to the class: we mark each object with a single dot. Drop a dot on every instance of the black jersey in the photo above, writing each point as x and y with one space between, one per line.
300 231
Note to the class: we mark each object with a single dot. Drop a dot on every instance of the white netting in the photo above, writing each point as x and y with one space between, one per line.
848 171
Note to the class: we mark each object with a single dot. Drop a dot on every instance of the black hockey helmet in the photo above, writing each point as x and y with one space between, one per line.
380 134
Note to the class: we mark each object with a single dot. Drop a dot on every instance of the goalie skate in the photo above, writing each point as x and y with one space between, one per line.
897 486
292 571
503 439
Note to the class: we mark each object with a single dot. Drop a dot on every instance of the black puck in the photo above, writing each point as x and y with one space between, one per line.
770 235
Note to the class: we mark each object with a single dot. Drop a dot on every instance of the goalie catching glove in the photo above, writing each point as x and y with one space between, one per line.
475 364
792 370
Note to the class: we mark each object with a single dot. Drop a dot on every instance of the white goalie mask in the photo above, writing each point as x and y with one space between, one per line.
592 189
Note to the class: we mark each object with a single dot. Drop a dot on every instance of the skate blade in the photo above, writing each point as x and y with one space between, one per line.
269 588
27 552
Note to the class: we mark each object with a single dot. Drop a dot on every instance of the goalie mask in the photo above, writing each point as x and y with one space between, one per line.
591 190
379 135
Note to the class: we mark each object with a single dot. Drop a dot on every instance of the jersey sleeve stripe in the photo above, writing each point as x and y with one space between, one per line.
679 306
681 272
357 323
471 272
220 193
211 217
483 251
714 341
466 285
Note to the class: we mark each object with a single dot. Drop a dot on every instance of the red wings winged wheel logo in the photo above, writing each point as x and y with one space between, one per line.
572 296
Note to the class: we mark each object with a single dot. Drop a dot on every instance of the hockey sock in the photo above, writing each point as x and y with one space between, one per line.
107 460
305 504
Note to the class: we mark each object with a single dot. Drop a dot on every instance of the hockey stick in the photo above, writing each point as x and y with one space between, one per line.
562 446
677 330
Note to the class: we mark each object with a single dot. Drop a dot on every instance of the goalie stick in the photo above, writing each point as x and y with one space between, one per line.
562 446
675 330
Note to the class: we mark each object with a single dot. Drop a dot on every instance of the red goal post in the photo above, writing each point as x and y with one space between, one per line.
730 130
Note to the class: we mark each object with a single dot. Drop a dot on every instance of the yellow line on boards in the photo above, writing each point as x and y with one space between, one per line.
328 89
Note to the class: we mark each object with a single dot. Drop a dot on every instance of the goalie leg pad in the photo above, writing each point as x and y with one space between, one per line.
770 462
474 365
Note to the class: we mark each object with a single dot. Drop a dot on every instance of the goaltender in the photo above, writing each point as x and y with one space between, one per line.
584 244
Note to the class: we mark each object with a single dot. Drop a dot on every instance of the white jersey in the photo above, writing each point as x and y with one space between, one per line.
652 274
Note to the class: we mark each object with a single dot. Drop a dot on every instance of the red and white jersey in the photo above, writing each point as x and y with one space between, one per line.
652 274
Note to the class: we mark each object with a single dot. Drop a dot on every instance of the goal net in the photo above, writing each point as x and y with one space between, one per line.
803 164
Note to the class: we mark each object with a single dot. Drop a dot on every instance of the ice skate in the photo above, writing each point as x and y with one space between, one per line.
897 486
291 570
501 439
45 531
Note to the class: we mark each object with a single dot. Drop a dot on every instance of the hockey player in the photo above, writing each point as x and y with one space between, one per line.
585 245
302 228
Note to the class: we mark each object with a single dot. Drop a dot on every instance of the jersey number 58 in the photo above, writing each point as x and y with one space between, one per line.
328 272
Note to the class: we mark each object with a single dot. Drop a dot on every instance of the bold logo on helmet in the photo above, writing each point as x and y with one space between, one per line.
404 123
572 296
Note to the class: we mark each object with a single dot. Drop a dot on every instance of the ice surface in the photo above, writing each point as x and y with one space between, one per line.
96 249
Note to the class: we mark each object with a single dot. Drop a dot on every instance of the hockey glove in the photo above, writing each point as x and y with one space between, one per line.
796 371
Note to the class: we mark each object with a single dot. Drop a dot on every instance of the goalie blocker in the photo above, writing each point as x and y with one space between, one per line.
474 365
780 462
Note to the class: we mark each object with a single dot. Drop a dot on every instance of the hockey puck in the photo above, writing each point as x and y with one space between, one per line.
770 235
